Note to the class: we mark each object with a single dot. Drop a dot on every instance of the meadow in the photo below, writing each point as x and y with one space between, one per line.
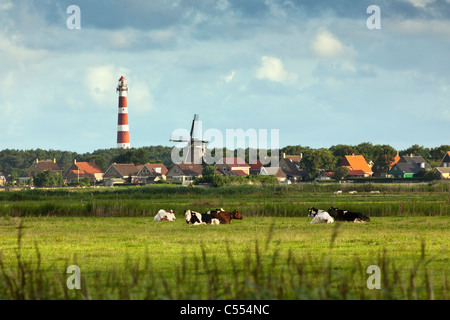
273 253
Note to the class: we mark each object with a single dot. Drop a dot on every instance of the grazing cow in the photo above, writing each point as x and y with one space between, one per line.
196 218
338 192
225 217
344 215
319 216
164 215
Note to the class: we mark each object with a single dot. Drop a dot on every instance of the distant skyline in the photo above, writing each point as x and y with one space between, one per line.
311 69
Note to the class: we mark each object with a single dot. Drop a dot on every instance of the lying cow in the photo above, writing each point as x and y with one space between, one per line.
225 217
164 215
319 216
344 215
196 218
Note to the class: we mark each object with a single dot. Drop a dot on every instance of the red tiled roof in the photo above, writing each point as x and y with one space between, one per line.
239 173
256 166
151 167
88 167
356 162
234 162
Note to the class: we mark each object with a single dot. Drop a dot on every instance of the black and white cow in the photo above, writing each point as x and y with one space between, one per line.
344 215
319 216
196 218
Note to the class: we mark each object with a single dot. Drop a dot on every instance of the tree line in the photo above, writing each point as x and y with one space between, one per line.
15 163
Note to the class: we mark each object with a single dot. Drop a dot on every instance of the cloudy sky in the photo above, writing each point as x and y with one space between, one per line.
311 69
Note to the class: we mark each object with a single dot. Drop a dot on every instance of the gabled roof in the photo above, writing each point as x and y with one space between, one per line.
234 162
256 166
443 169
190 168
414 160
446 158
126 169
152 166
88 167
239 173
275 171
49 165
290 168
356 162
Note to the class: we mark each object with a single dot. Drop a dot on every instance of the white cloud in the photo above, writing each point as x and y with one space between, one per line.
326 45
272 69
229 78
420 3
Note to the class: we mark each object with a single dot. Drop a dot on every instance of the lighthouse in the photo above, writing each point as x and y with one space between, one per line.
123 134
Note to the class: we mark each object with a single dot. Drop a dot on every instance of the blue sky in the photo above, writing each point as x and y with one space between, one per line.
311 69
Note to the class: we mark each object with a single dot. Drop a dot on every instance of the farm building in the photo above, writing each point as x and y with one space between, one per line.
39 166
357 166
82 170
409 167
233 166
2 180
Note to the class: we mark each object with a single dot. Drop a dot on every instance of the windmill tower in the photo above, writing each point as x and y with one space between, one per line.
195 147
123 131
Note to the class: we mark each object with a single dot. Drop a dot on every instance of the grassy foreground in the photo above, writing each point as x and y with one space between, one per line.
256 258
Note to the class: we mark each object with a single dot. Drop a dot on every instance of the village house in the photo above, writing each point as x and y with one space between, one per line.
290 165
273 171
185 172
233 166
79 170
444 167
409 167
39 166
152 172
119 173
357 166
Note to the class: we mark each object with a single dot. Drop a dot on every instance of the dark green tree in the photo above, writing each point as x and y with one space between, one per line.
47 178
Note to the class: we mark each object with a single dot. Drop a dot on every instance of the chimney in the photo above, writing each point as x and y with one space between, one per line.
37 160
74 161
301 156
284 155
54 160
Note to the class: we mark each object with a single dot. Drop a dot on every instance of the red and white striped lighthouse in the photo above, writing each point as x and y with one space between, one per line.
123 131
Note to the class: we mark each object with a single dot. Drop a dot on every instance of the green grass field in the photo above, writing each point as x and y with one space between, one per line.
273 253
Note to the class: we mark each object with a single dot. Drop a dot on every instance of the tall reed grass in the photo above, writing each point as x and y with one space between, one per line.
263 274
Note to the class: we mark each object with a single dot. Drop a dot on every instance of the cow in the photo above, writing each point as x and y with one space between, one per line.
319 216
197 218
225 217
344 215
164 215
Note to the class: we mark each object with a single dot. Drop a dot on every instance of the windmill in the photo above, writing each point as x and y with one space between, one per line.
195 147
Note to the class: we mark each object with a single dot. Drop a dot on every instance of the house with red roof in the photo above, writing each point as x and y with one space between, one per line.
357 166
82 170
233 166
39 166
152 172
185 172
